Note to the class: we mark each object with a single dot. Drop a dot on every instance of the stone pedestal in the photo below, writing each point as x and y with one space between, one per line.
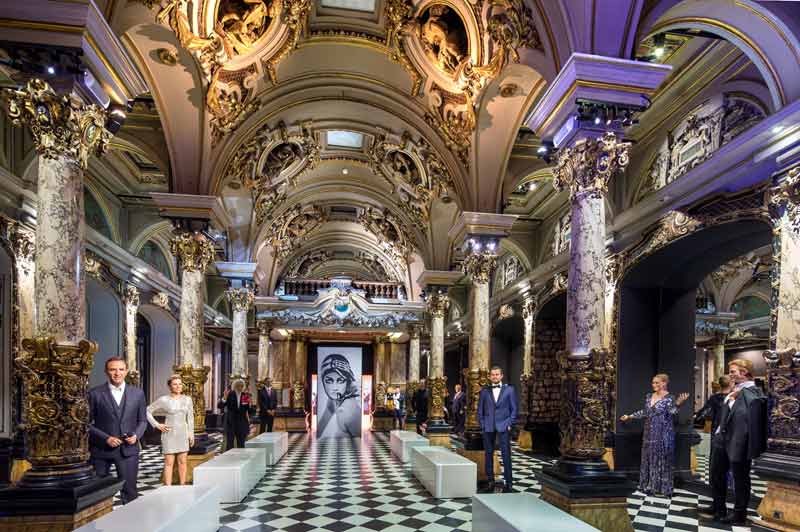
290 422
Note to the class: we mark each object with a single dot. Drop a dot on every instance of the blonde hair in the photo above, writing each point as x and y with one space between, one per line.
236 383
743 364
662 377
172 378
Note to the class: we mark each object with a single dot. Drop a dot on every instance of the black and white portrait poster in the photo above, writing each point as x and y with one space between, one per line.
339 392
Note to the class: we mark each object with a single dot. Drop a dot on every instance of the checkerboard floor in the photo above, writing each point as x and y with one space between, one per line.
339 485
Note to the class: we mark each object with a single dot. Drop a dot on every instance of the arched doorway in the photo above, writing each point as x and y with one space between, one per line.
157 333
657 327
103 325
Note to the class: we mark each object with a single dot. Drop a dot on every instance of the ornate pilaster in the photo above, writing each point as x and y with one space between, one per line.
131 301
298 396
526 380
475 379
718 350
380 371
194 253
438 303
241 299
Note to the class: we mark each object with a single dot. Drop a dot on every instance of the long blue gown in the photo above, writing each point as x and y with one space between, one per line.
658 445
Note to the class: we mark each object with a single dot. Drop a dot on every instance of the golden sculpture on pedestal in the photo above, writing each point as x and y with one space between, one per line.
194 380
298 396
56 378
380 397
475 379
438 390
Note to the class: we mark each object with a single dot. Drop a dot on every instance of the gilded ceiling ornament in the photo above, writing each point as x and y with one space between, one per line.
453 115
92 264
437 303
296 19
586 167
131 296
303 266
739 266
444 37
399 22
292 228
61 126
390 232
194 251
479 266
784 199
167 56
241 299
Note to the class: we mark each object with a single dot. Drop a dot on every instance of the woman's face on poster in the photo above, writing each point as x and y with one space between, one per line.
335 385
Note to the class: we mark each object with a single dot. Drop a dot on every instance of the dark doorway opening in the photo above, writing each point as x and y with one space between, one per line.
144 342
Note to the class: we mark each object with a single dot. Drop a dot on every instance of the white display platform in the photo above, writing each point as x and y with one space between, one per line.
165 509
235 473
521 512
276 444
260 454
444 473
402 441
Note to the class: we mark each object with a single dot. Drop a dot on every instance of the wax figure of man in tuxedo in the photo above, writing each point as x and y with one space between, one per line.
740 437
459 410
236 403
421 405
267 403
497 413
117 421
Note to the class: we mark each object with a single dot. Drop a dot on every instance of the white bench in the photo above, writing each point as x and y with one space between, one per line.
276 444
521 512
444 473
402 441
165 509
236 473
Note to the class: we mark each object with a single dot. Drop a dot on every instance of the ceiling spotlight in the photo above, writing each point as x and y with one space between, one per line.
532 186
345 171
597 120
777 129
659 41
51 70
490 246
541 149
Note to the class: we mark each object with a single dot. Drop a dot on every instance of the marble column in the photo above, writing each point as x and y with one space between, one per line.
264 331
378 369
587 368
479 266
780 464
413 376
438 430
55 363
299 372
131 300
241 299
527 379
718 351
194 252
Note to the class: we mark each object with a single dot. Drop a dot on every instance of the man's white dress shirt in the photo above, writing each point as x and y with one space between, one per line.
117 392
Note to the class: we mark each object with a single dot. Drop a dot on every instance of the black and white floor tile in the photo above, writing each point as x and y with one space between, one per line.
343 485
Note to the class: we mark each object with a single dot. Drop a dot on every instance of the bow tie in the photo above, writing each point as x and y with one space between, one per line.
497 385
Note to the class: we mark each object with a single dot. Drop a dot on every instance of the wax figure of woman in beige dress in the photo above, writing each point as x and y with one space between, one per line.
177 431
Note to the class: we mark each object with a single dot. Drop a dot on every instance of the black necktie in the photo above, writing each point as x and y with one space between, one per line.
497 385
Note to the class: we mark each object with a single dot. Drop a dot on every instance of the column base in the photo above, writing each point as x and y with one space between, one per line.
290 422
780 507
545 437
525 440
573 486
56 509
438 433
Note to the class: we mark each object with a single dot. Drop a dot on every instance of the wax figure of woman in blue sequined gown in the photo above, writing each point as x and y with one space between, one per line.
658 440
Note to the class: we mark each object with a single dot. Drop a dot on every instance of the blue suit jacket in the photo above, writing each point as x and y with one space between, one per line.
497 417
106 419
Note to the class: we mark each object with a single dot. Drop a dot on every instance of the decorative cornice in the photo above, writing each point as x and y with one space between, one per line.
587 166
194 251
61 126
241 299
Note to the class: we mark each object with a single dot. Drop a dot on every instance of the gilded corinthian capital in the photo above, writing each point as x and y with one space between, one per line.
131 296
785 199
586 167
479 266
529 306
194 251
438 302
61 126
241 299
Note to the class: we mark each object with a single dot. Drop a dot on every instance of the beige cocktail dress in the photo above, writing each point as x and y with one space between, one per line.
180 420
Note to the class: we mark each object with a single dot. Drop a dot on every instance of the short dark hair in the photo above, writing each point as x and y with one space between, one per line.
498 368
116 359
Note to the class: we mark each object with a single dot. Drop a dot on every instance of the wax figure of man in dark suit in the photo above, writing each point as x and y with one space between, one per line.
497 413
740 437
267 404
236 403
117 421
459 410
421 405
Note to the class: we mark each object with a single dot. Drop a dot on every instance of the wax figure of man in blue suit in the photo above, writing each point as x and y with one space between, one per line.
497 413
